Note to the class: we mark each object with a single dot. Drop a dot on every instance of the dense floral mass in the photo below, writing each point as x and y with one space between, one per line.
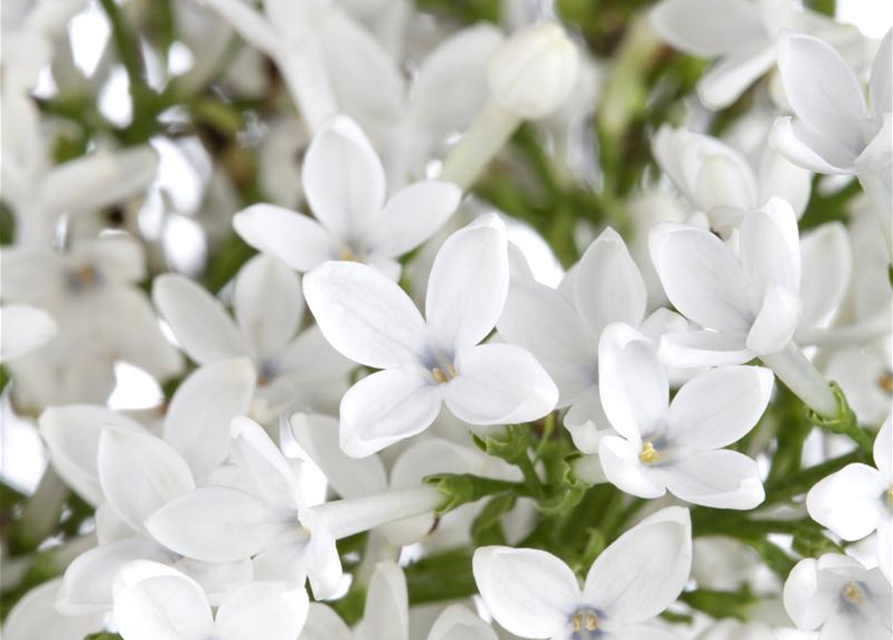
407 319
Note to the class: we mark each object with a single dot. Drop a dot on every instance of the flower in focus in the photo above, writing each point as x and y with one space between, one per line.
428 361
533 594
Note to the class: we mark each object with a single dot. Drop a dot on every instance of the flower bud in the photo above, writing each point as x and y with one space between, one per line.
533 72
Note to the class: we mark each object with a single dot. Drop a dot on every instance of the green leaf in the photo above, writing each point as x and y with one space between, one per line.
487 527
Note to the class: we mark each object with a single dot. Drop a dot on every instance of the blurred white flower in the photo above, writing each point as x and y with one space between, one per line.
295 369
24 329
155 602
35 617
678 446
858 500
838 596
533 594
344 183
101 316
427 362
720 183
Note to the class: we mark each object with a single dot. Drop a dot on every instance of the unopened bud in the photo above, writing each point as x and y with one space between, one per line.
533 72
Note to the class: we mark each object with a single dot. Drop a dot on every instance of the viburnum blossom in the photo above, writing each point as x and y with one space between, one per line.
430 320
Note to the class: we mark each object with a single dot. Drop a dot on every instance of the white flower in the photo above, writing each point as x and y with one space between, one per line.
41 193
101 317
344 183
35 617
128 473
678 446
562 328
740 33
533 72
432 360
533 594
748 305
838 595
295 369
156 602
858 500
721 183
865 375
264 517
834 131
24 329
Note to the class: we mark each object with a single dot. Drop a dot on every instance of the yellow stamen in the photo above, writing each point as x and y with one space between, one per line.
577 621
347 253
885 382
649 453
591 622
441 376
853 593
86 274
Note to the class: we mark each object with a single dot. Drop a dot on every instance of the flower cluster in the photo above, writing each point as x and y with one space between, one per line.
329 319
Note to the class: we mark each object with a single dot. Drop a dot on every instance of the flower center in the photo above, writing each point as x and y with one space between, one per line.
443 375
853 593
584 625
885 382
649 454
83 277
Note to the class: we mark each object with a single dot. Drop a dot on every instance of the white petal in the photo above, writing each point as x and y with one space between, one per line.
719 479
642 572
779 177
155 602
883 449
151 351
248 22
776 323
499 384
633 386
324 624
880 89
72 433
140 473
622 467
722 183
827 268
587 422
810 149
343 178
299 241
468 284
411 216
318 437
365 316
695 349
34 617
770 247
269 473
528 591
542 321
608 286
454 63
807 604
849 501
216 578
268 303
216 524
88 581
701 277
24 329
719 406
822 89
386 407
885 548
703 28
458 623
386 614
269 610
198 416
731 76
198 320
